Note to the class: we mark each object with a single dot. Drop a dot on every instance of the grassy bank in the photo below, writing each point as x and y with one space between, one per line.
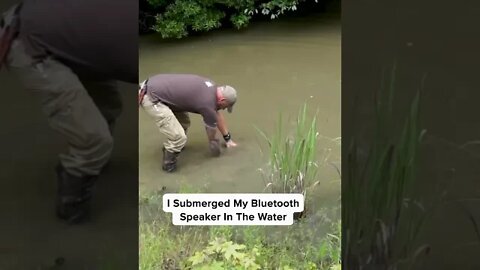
301 246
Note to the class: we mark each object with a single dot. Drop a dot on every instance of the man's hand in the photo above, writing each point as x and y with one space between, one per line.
213 142
230 144
214 146
228 141
211 133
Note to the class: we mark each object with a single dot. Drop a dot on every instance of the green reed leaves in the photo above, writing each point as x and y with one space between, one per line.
293 155
378 194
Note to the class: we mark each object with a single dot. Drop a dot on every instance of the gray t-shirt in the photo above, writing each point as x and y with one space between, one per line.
186 93
95 37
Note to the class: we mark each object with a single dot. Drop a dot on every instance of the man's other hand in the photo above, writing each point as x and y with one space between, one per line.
214 146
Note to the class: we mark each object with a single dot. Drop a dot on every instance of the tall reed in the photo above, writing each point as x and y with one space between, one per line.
293 156
380 217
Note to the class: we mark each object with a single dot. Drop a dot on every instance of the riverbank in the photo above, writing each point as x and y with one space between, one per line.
300 246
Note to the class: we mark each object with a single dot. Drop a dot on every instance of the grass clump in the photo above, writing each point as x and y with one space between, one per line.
163 246
378 198
293 165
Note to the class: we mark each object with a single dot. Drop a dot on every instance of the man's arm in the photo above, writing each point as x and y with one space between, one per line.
211 125
222 127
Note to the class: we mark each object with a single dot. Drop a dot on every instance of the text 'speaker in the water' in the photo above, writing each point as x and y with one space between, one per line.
240 217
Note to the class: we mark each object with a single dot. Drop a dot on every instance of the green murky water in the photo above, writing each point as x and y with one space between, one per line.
275 66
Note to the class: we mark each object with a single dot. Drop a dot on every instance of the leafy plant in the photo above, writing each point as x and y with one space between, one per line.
222 254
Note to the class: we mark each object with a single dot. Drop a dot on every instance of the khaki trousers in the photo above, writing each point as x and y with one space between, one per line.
173 125
82 110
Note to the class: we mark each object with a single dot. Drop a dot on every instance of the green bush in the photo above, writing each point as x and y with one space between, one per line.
177 19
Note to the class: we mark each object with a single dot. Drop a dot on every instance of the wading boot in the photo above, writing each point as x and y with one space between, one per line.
73 196
169 161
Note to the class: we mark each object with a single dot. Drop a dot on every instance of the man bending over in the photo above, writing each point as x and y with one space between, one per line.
168 98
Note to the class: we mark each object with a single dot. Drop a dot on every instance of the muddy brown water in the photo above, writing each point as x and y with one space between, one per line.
275 67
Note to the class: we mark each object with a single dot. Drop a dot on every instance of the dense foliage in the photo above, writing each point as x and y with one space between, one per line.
179 18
